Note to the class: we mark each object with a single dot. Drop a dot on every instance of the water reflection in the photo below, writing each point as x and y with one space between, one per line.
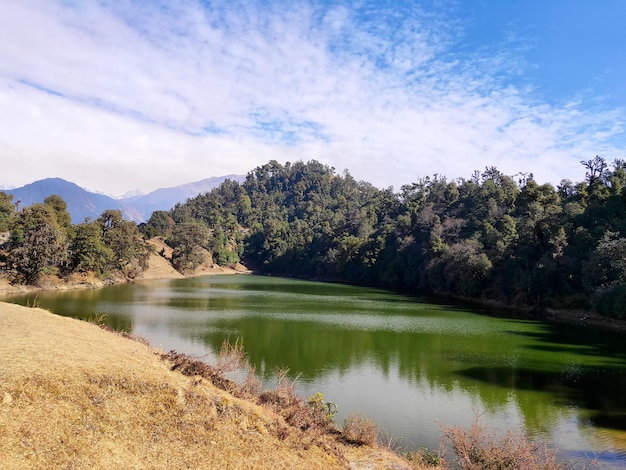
406 363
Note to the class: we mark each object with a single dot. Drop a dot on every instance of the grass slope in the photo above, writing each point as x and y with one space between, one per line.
74 396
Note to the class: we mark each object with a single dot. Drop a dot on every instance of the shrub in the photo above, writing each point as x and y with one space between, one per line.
231 357
191 366
359 430
477 448
424 457
319 406
611 301
296 412
225 257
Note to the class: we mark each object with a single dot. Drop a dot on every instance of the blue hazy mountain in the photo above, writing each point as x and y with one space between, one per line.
166 198
83 204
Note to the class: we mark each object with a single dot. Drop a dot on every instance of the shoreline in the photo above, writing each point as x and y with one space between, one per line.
160 268
80 282
580 318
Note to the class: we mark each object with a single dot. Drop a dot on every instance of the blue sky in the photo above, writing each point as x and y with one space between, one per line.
123 95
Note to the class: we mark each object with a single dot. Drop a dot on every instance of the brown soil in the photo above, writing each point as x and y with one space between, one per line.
8 288
159 266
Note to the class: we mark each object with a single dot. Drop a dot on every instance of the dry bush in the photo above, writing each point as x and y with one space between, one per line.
231 357
252 385
424 458
477 448
284 401
309 423
191 366
359 430
99 319
33 303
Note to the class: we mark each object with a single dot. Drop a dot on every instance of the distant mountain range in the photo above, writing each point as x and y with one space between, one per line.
82 204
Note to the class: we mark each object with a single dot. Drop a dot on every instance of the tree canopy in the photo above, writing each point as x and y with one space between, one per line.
44 242
490 236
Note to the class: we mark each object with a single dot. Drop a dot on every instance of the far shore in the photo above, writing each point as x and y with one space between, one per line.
159 267
88 282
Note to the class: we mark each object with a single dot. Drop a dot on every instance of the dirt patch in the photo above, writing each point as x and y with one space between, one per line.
160 268
161 248
7 288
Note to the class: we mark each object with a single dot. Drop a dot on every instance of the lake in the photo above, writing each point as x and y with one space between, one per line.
408 363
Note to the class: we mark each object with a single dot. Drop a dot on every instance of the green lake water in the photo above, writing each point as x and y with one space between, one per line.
409 364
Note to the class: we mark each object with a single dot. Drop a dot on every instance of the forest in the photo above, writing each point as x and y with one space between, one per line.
43 242
490 237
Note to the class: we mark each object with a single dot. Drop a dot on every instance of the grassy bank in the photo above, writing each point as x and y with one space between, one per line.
76 396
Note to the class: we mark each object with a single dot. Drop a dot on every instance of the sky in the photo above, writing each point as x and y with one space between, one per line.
123 95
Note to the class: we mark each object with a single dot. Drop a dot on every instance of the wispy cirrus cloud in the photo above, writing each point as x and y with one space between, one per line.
140 94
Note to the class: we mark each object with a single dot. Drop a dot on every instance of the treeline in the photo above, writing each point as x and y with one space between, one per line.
43 242
489 236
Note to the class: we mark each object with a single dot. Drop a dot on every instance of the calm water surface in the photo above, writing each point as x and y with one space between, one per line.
408 364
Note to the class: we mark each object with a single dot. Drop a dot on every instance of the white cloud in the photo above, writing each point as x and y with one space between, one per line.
126 95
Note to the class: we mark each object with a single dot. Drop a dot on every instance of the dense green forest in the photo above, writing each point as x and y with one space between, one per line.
490 237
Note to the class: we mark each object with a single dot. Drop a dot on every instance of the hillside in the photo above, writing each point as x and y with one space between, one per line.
160 266
488 237
76 396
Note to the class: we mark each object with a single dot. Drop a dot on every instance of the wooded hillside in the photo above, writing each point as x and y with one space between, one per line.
489 236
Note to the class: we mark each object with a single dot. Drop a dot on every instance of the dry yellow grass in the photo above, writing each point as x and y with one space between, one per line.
74 396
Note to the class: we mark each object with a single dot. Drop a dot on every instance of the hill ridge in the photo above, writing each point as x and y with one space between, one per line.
83 204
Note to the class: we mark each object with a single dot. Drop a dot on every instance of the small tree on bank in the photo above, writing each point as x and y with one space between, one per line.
38 245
